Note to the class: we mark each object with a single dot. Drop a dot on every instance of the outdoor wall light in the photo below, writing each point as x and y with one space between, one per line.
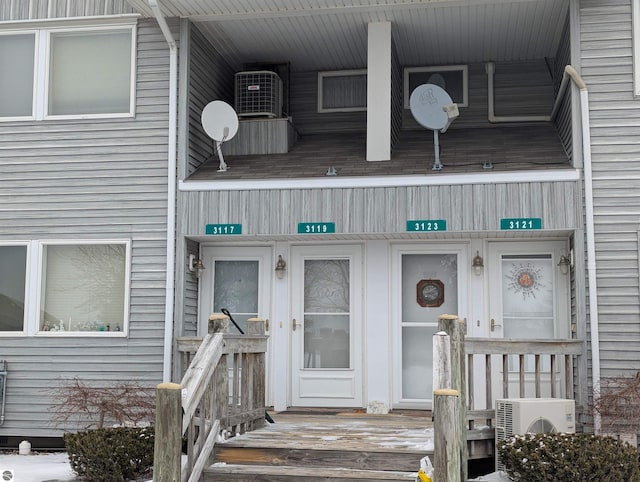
564 264
195 265
477 264
281 267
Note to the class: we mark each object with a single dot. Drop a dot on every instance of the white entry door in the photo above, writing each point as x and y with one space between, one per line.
528 298
238 279
326 336
429 281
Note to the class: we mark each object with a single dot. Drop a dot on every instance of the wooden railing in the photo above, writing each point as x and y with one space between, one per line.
223 389
456 362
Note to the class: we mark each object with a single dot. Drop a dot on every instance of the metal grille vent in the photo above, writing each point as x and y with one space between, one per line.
258 93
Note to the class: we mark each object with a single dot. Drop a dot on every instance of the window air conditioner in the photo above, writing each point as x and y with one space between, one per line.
258 93
518 416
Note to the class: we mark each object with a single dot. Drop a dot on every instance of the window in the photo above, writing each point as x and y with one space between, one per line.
67 73
89 73
342 91
13 266
452 78
84 288
17 74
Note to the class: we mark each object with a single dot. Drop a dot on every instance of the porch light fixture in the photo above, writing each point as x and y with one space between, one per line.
564 264
477 264
281 267
195 265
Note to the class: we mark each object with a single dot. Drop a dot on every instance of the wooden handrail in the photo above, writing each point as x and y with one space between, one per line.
222 390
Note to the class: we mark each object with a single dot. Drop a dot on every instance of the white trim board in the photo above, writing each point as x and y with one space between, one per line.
338 182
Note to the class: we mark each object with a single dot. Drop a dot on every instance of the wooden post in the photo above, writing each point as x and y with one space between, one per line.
256 326
168 437
218 323
457 329
441 361
446 453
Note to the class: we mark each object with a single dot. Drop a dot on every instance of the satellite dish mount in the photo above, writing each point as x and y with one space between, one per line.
433 108
220 122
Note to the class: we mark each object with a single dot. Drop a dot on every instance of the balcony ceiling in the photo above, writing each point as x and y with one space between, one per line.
332 34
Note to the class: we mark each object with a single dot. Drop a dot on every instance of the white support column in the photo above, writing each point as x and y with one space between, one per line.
379 92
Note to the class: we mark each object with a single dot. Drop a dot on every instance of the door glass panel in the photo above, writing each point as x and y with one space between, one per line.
235 287
429 289
527 293
527 301
416 367
326 313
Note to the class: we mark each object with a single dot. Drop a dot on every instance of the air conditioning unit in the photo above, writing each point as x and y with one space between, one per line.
518 416
258 93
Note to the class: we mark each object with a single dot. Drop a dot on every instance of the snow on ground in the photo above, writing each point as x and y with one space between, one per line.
54 467
37 467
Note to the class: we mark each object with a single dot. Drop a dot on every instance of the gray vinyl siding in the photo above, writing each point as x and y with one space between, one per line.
83 180
45 9
606 59
563 120
209 79
397 97
466 208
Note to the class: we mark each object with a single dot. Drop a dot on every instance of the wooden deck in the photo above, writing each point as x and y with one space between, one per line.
327 445
461 151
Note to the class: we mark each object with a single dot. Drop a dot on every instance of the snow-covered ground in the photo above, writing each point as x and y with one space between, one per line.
54 467
38 467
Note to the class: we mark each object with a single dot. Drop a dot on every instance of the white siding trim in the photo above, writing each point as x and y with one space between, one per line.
390 181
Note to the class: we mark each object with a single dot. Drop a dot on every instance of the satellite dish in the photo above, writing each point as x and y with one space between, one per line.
220 122
433 108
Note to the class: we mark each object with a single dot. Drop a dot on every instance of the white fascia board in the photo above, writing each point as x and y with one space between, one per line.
71 22
389 181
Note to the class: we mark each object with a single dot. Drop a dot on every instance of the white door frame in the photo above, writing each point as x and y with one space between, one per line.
461 249
349 382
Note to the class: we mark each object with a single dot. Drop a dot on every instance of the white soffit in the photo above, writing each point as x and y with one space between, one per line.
332 34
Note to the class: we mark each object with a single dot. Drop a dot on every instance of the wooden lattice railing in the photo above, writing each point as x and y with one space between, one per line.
223 389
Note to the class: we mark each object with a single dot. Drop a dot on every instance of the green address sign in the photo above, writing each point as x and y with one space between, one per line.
316 228
426 225
223 229
520 224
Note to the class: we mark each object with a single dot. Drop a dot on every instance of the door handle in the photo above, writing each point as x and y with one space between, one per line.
294 324
493 324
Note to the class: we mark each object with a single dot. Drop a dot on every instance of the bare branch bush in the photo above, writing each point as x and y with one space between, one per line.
618 404
121 403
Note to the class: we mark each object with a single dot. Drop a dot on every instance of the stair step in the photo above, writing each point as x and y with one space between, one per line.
269 473
305 457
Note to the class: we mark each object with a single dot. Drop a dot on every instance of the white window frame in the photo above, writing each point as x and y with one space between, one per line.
463 69
25 320
338 73
636 46
34 278
43 31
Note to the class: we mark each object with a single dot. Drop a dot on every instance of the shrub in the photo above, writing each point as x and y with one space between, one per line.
78 404
118 454
556 457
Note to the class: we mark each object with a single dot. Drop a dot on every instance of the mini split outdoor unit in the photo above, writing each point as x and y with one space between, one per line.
258 93
518 416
